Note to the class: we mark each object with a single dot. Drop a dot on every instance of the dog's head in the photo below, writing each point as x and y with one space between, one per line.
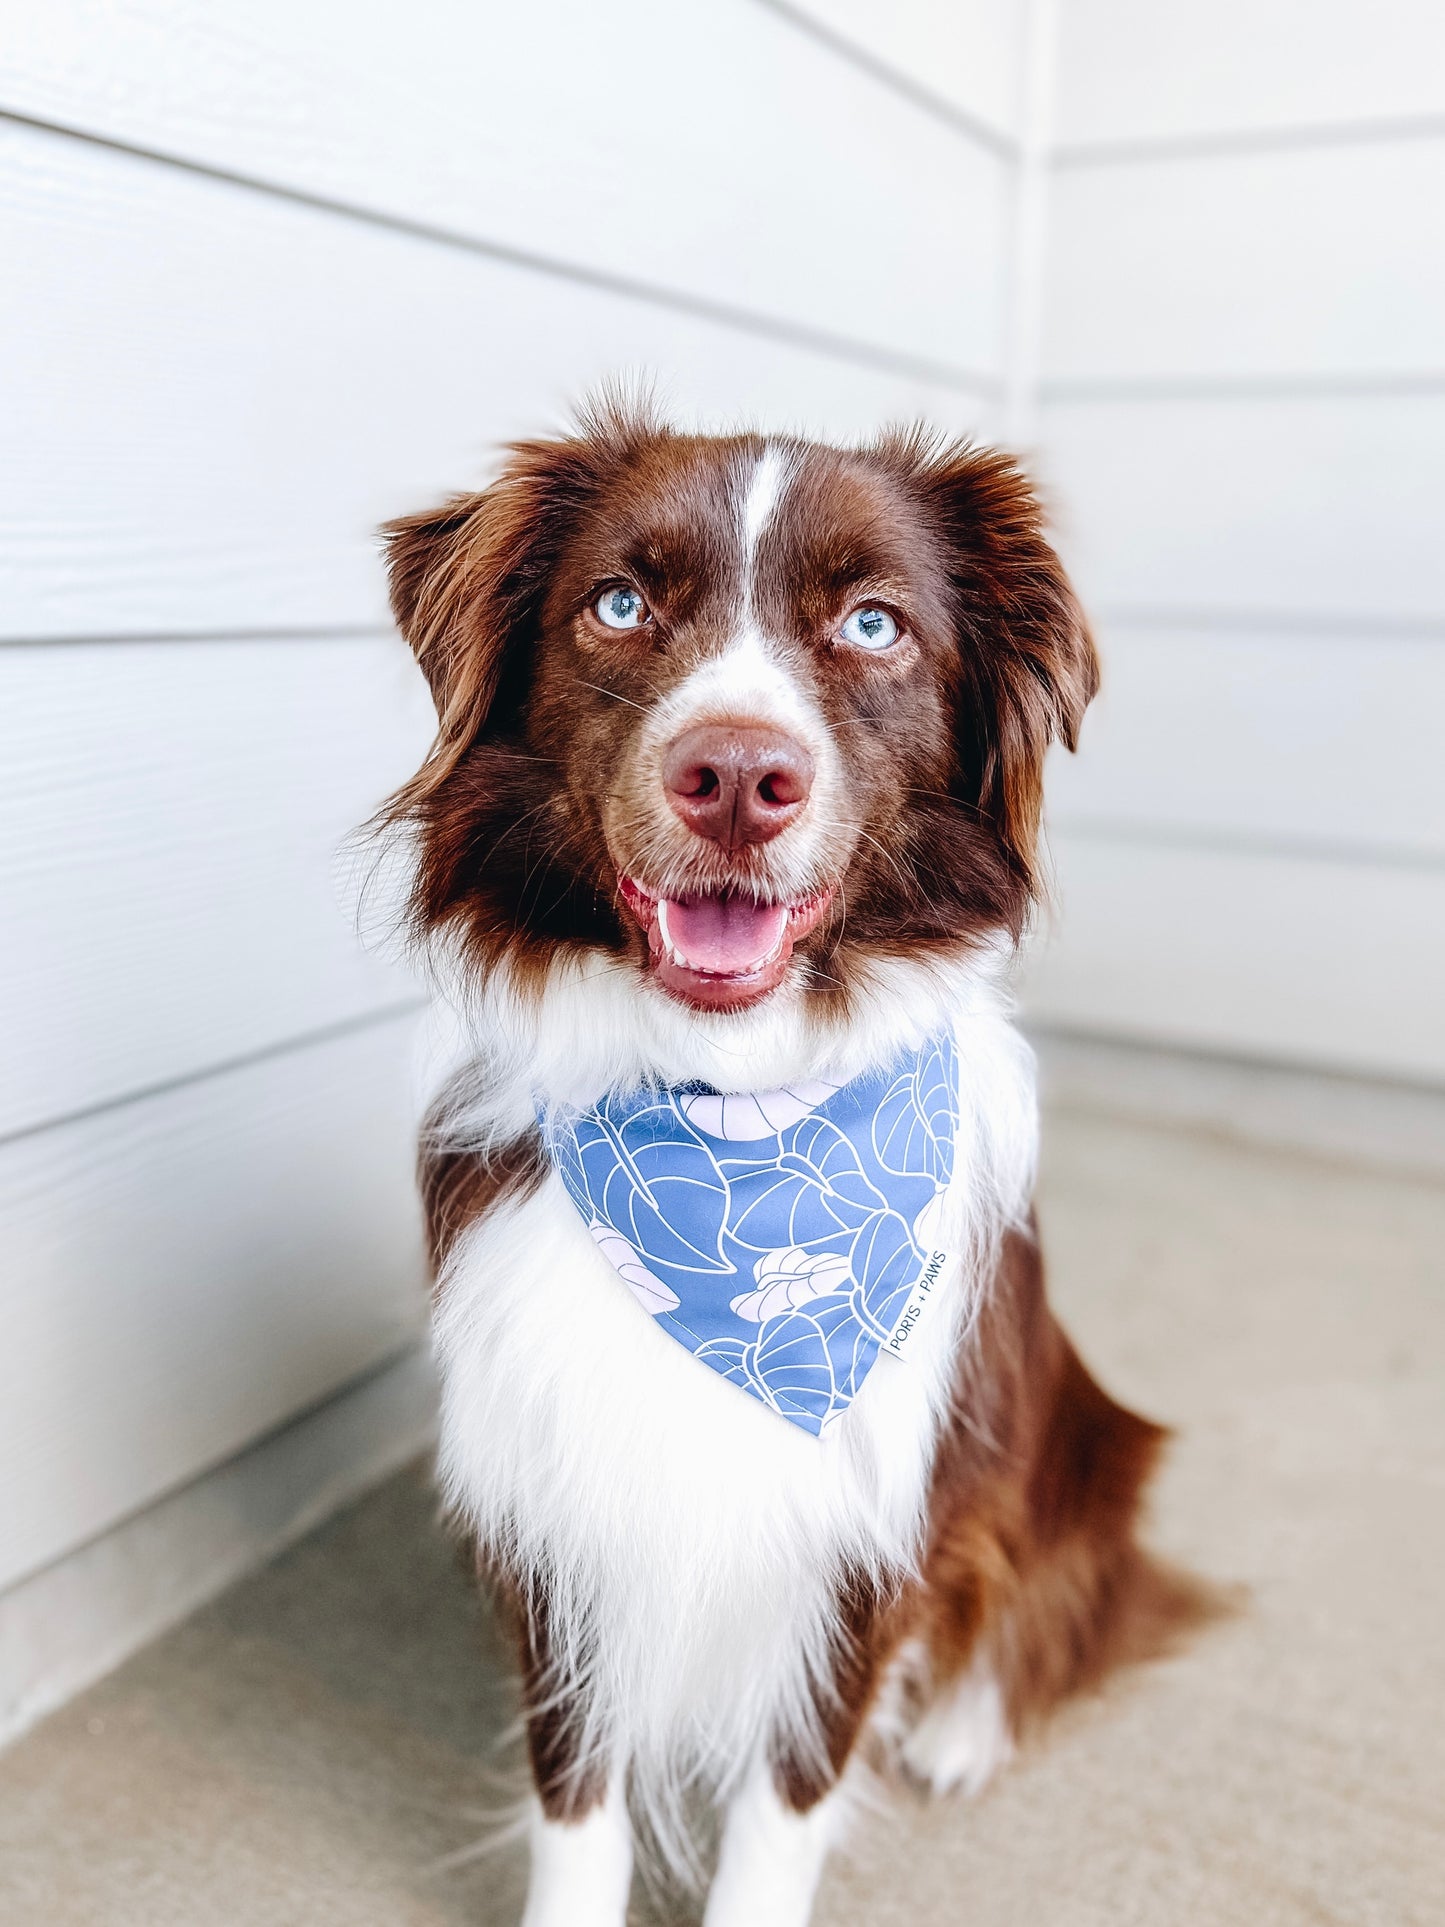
746 713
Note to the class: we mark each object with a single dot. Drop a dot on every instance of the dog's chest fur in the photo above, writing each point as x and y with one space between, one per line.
691 1543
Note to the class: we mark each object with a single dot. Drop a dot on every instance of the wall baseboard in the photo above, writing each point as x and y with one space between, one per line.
1392 1126
64 1627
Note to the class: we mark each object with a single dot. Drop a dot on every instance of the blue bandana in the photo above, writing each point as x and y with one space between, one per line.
783 1237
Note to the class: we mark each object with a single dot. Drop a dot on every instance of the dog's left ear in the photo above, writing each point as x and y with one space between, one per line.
1028 664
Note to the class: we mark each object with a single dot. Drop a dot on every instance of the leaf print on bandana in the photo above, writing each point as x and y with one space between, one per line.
789 1366
650 1176
794 1366
788 1279
814 1191
775 1235
889 1263
915 1124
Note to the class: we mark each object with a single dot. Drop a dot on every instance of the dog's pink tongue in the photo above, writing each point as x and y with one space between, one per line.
723 935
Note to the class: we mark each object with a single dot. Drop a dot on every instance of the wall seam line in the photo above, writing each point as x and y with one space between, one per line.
1093 390
1146 1044
777 328
971 126
1244 142
1306 623
221 1067
1270 847
342 632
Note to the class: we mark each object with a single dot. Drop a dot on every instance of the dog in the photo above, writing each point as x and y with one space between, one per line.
752 1402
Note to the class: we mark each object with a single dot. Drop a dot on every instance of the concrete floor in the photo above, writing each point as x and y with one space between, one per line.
318 1746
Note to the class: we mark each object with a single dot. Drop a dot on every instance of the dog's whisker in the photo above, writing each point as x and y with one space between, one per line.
614 695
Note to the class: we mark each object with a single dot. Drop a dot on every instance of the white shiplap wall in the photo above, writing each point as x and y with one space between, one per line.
270 275
1243 423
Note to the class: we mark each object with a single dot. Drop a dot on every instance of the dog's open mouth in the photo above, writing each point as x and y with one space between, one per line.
720 951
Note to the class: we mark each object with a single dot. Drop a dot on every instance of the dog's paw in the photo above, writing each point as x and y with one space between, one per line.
961 1738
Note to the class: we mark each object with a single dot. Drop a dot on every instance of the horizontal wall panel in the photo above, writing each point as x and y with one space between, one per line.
185 1273
1319 739
1307 509
1334 964
1132 69
83 1614
172 818
269 382
1302 263
968 53
711 149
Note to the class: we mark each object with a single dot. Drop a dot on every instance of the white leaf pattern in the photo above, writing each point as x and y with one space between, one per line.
744 1118
788 1279
649 1291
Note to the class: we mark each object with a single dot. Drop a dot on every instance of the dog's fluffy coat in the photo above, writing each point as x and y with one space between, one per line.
706 1597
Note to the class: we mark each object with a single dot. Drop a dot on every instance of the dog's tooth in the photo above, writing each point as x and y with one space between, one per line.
670 949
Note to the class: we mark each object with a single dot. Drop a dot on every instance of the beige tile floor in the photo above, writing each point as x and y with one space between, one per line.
315 1747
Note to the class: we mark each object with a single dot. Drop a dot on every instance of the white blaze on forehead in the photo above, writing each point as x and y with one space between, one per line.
747 678
765 485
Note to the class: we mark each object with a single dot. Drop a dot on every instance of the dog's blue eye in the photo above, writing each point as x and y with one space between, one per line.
870 629
621 609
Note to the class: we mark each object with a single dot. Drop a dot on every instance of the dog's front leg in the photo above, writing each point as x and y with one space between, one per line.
788 1811
772 1855
581 1864
581 1837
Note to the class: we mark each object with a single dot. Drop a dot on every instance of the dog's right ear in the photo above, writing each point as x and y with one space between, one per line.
444 566
421 557
467 578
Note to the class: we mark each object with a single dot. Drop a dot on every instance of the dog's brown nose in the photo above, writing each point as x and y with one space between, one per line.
736 783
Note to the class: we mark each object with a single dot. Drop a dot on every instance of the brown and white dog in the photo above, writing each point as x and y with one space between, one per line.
737 781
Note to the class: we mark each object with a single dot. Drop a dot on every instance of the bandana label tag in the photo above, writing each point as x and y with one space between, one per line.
925 1296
